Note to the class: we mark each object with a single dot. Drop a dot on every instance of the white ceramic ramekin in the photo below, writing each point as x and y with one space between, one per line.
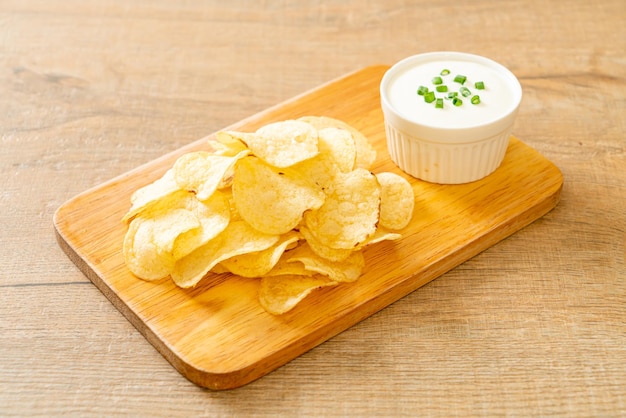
448 146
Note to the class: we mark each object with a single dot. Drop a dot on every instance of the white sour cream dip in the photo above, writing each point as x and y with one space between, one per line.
501 95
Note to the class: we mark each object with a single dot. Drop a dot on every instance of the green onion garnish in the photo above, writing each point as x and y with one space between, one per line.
454 96
422 90
465 91
460 79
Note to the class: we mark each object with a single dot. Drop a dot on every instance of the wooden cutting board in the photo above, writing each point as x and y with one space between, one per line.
217 335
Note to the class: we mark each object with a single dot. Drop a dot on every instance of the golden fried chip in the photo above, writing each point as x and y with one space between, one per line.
365 153
238 238
227 145
350 212
281 144
339 145
336 155
280 294
144 258
213 215
396 200
203 173
147 196
272 200
168 226
283 268
259 263
347 270
380 235
324 251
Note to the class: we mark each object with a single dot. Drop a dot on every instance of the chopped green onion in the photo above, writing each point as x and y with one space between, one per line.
453 96
422 90
460 79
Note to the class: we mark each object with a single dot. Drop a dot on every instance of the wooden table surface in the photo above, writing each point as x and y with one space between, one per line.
533 326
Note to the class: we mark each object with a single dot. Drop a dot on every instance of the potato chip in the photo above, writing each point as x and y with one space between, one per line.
396 200
381 234
350 211
324 251
281 144
238 238
213 215
337 154
149 195
259 263
143 257
203 173
365 153
170 225
227 145
272 200
280 294
284 268
347 270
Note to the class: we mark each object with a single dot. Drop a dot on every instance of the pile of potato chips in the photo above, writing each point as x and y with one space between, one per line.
293 204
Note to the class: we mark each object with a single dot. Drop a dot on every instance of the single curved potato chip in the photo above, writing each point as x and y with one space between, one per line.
147 196
238 238
226 144
144 258
350 212
396 200
347 270
203 172
283 268
213 215
337 154
281 144
168 226
259 263
272 200
380 235
365 153
280 294
324 251
339 145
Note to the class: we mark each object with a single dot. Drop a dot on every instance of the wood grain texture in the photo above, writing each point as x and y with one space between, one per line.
217 334
91 89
